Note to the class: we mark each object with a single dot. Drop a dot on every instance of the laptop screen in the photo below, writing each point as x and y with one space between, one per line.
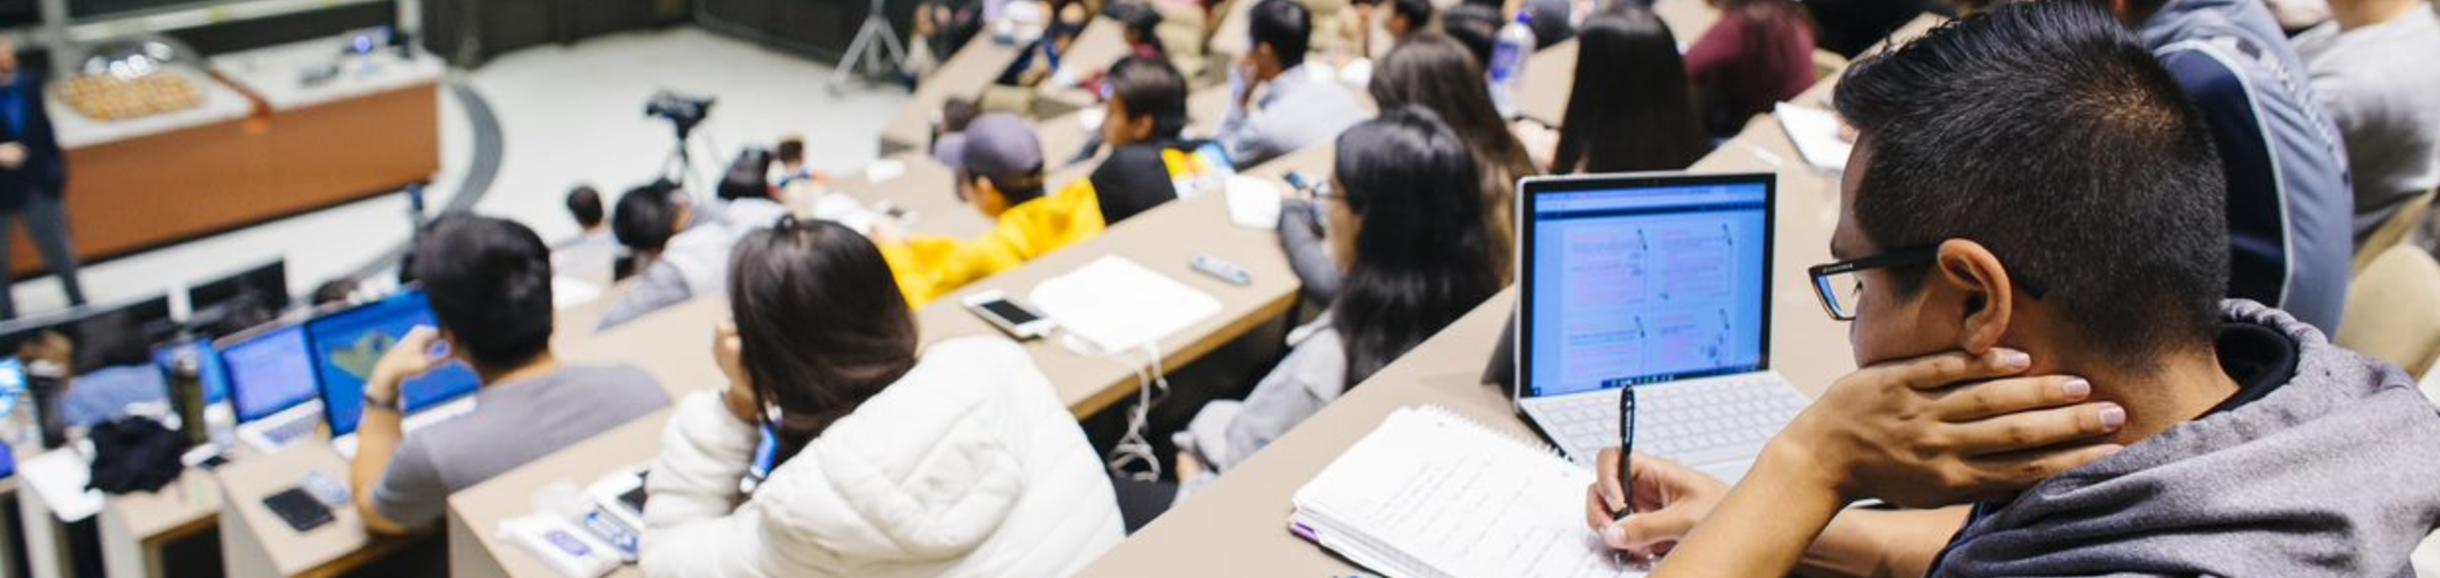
1636 280
347 344
215 381
268 373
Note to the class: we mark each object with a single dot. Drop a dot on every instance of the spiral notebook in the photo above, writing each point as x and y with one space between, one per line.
1432 494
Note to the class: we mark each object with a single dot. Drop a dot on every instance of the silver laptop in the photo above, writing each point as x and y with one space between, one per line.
1660 282
272 386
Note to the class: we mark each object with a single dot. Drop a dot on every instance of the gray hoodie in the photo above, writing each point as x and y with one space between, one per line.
2336 472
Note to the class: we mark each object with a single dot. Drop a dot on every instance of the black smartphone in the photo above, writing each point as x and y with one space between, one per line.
299 509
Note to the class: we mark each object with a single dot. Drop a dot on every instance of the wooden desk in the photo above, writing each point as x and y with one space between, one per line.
475 550
135 527
928 188
1238 526
255 542
1100 45
260 147
963 76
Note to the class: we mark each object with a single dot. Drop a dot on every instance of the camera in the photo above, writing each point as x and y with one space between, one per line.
681 110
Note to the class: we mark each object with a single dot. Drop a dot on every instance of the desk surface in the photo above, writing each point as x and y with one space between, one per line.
963 75
926 187
220 104
475 513
255 542
274 73
1239 523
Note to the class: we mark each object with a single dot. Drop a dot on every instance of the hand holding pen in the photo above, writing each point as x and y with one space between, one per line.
1642 505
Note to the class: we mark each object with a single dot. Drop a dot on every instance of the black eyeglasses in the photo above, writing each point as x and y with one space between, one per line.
1840 290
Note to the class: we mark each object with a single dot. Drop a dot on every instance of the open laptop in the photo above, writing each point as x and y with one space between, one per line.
1660 282
348 343
271 385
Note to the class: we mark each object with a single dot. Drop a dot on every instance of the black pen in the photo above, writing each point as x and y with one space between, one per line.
1626 462
1626 452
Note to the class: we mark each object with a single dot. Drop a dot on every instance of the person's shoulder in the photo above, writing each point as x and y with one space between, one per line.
620 378
983 351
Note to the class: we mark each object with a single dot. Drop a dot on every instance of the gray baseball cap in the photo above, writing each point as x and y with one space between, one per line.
996 145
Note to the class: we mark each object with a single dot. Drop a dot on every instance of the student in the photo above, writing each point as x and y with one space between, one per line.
1406 17
682 247
116 373
1435 73
958 460
1144 120
593 255
1141 24
1406 222
2171 433
1759 54
2387 106
793 172
1298 107
999 172
2290 224
489 282
1399 18
955 114
1629 110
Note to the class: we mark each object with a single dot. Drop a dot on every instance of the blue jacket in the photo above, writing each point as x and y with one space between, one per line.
2290 203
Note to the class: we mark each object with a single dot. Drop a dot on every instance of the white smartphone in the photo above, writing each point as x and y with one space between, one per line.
622 495
1016 320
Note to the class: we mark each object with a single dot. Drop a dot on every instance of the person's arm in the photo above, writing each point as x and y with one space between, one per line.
1292 392
693 523
662 286
379 432
1308 252
1904 432
1237 134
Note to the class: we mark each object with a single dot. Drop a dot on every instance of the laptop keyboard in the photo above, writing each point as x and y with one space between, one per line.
293 430
1695 423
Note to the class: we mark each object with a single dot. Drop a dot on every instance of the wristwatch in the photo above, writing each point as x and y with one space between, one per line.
373 402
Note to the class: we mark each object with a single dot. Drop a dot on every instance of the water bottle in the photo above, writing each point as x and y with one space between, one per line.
1508 56
186 396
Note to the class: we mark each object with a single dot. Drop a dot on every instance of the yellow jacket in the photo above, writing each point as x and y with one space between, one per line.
928 268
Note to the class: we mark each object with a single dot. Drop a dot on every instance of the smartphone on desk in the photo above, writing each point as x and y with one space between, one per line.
1017 320
299 509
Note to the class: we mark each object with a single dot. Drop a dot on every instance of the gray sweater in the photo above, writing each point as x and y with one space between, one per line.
2334 473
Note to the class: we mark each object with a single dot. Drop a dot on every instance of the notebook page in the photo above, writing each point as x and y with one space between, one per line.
1459 500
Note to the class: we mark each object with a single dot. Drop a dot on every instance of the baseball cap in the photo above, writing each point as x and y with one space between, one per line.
996 145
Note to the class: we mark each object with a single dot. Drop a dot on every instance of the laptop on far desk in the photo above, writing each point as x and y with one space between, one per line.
1660 282
271 385
347 344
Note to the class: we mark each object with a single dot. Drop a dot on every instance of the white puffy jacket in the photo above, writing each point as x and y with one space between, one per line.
968 466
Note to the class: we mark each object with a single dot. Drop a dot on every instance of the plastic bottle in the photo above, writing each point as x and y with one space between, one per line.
1508 56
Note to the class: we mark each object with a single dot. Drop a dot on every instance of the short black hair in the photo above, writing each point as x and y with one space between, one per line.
1151 87
585 204
956 113
1476 26
790 150
646 217
1140 19
1416 12
748 177
2047 133
1284 25
489 281
334 291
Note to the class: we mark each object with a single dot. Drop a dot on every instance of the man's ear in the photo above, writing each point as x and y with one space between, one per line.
1969 270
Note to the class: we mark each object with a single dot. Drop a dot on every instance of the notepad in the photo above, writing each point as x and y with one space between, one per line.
1816 134
1431 494
1116 305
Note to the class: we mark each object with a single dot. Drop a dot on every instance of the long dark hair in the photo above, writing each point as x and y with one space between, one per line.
821 323
1631 109
1422 258
1436 73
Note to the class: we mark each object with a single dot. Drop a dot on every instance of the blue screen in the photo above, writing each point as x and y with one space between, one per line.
269 373
347 344
215 380
12 386
1646 285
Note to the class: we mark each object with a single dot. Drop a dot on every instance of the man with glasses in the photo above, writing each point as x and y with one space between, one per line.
2032 195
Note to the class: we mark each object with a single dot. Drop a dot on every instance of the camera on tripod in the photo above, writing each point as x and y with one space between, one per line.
683 111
